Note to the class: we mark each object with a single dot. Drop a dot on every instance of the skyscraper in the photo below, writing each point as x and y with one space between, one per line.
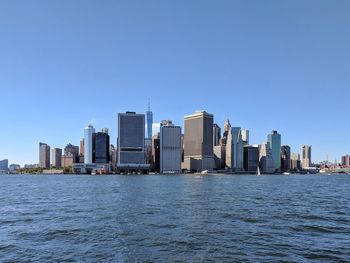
227 127
170 148
89 132
216 134
274 138
295 162
245 137
44 155
251 158
285 158
220 156
345 161
266 161
56 157
198 142
149 115
306 156
72 150
102 147
234 150
81 149
156 153
131 143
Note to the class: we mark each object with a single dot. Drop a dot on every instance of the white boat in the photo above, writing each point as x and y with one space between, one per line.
204 172
286 173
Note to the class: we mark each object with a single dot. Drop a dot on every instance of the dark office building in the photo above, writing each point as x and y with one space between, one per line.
250 158
285 158
71 149
156 153
102 147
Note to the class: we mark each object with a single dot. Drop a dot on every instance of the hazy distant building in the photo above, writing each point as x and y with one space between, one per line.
81 149
170 148
73 150
44 155
149 116
306 156
227 128
345 161
56 155
89 144
295 162
234 150
148 151
266 162
216 134
250 158
274 138
245 137
4 166
102 147
15 167
156 153
220 156
67 160
112 156
131 142
285 158
198 142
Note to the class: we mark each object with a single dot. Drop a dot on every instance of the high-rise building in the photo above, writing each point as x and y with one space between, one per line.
274 138
149 115
56 155
156 152
81 149
198 142
251 158
306 156
44 155
227 127
89 141
266 162
345 161
102 147
112 156
285 158
131 143
72 150
170 148
4 166
245 137
216 134
220 156
234 150
295 162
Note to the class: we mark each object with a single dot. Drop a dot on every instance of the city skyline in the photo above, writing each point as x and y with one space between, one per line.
279 66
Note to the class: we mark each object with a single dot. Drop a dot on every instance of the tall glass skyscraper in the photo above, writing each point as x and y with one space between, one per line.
274 138
149 116
88 143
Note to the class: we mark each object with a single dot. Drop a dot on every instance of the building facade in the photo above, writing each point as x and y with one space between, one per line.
198 142
149 117
285 158
274 139
220 157
56 156
156 153
266 162
102 147
234 150
89 144
306 156
216 135
295 162
345 161
44 155
250 158
170 148
245 137
4 166
131 143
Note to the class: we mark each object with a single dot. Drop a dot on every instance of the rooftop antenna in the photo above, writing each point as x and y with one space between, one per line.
149 104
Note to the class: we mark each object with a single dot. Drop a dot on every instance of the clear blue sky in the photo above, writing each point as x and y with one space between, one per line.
266 65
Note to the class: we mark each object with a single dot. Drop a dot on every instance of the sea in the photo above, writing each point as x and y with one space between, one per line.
174 218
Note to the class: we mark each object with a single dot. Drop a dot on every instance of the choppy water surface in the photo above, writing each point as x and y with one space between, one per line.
298 218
